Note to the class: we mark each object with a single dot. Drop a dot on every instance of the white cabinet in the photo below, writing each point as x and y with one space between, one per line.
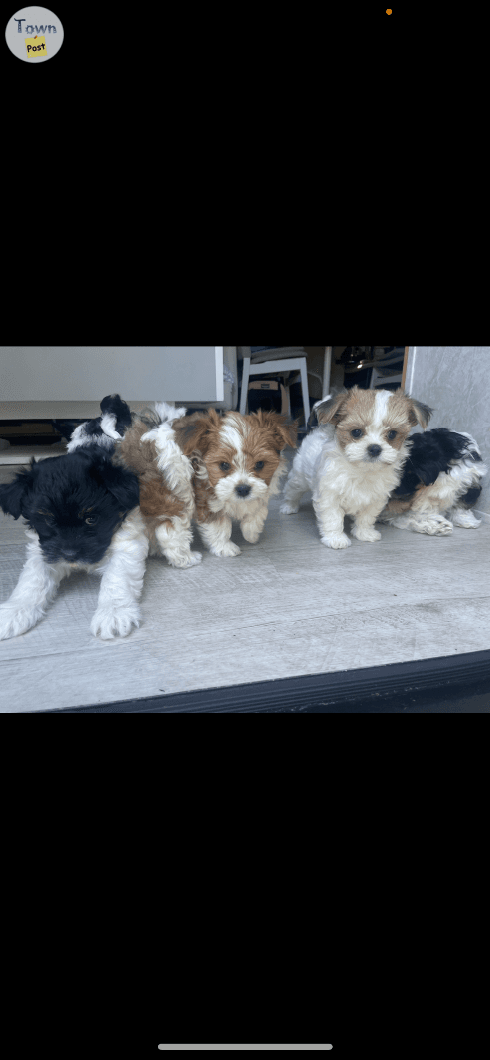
73 374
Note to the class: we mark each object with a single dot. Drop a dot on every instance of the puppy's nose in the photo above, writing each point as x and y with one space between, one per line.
242 491
374 450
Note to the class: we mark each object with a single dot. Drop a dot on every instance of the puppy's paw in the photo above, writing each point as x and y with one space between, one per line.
195 557
365 534
110 622
250 534
336 540
228 549
15 620
185 559
289 509
437 526
466 519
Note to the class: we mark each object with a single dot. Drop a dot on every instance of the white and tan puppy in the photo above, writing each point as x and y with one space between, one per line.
353 460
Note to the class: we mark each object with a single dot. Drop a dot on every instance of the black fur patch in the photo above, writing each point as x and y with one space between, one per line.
432 452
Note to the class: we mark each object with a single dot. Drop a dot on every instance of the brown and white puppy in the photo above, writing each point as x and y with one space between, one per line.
353 460
209 467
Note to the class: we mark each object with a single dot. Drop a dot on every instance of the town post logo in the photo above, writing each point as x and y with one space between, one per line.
34 34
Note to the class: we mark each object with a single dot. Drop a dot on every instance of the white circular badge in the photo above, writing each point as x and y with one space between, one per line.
34 34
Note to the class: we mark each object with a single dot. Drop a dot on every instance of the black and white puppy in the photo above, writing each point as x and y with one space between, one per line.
440 484
76 507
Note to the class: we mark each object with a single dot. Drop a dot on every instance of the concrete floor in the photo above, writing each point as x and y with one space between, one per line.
286 606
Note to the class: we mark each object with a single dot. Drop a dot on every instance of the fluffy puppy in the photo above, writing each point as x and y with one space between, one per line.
440 484
353 460
210 467
76 507
238 466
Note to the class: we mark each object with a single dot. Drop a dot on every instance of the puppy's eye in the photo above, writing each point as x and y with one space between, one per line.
224 466
91 520
356 433
259 464
391 435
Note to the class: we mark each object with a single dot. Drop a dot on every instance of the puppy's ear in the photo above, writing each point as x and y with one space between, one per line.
12 494
284 433
419 413
289 433
329 410
194 432
123 484
313 419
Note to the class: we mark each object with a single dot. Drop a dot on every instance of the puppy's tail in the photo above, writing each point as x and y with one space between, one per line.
106 429
167 413
116 416
160 413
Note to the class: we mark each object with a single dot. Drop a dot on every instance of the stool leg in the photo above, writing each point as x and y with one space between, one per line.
327 365
304 387
245 378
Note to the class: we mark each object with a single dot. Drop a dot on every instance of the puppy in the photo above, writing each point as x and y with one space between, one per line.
76 507
353 460
210 467
440 484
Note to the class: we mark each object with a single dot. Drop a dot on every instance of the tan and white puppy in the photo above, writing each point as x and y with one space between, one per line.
208 467
353 460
